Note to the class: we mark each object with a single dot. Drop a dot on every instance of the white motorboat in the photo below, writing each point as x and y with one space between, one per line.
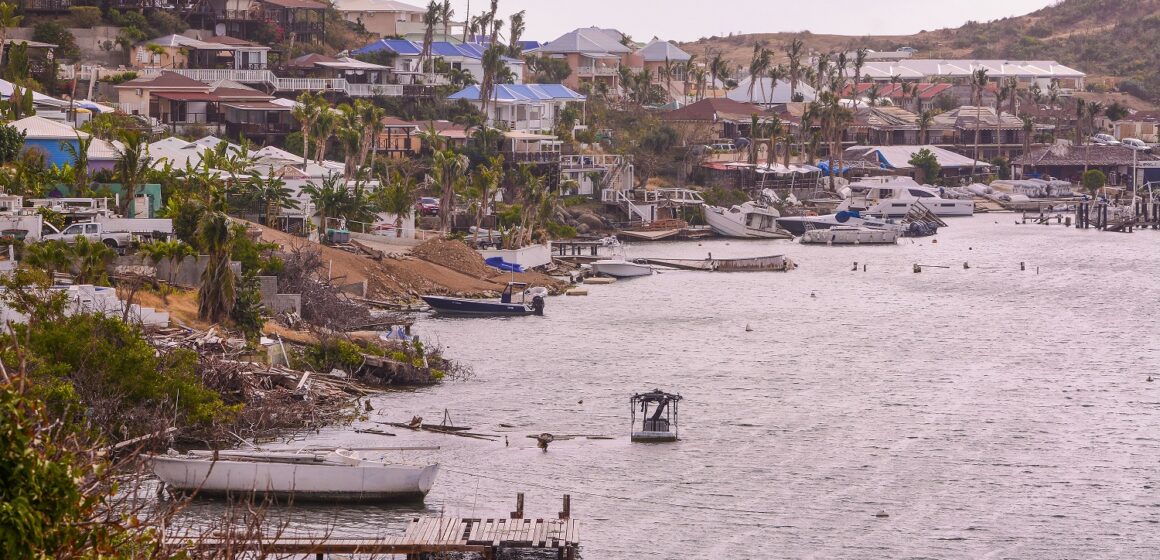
851 235
799 225
338 475
893 197
750 220
618 265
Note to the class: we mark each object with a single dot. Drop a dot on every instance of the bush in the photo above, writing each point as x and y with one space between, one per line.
85 16
55 33
1093 180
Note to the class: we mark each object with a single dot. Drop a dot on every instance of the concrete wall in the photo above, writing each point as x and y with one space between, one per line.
90 41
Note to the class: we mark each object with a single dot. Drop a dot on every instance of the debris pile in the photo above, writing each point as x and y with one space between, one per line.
454 255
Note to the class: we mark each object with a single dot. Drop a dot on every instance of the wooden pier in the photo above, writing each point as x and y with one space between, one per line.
424 535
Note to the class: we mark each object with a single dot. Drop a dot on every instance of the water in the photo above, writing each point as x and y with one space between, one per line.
990 412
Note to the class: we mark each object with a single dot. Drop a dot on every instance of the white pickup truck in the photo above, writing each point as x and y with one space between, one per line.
116 233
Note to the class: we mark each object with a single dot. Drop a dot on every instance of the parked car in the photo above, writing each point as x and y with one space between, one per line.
911 50
1105 140
428 206
1136 144
93 232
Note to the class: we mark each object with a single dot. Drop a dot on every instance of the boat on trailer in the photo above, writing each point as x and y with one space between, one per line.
334 475
446 305
658 411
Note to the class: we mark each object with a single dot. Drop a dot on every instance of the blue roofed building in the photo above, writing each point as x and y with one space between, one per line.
459 56
523 107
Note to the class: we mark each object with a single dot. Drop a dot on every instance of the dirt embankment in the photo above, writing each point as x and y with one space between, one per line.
435 267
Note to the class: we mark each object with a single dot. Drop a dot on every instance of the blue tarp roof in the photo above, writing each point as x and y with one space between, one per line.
522 92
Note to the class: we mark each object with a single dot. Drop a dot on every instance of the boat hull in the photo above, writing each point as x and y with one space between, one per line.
621 269
308 482
463 306
851 236
654 437
942 208
725 226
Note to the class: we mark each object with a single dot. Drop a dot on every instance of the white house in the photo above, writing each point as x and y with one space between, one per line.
523 107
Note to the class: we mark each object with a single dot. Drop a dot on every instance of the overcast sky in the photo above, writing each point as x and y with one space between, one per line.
688 20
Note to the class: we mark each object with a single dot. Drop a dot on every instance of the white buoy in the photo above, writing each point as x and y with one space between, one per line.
748 328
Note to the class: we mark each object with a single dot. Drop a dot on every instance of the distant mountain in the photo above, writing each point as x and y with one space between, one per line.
1117 42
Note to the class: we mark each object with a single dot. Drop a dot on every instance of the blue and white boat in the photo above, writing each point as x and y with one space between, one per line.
531 303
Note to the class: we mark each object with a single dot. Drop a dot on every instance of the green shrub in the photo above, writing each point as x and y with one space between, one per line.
85 16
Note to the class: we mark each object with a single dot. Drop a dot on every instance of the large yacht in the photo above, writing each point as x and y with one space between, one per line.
751 220
893 197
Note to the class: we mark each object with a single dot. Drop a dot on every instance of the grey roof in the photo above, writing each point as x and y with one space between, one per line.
926 68
585 40
660 51
768 93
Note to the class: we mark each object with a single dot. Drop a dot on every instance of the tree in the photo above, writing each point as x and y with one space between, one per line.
548 70
446 168
859 62
759 64
926 166
794 54
216 295
716 68
306 112
1000 96
92 261
398 198
1116 111
79 154
978 84
1028 131
18 69
11 143
324 127
132 166
1093 180
430 20
487 180
53 257
445 15
272 191
173 250
516 28
925 119
8 20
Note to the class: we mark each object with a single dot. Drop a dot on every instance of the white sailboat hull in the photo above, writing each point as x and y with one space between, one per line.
728 224
368 482
843 235
621 269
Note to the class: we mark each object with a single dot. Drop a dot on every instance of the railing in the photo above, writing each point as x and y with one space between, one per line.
140 108
284 84
619 197
585 71
593 161
371 90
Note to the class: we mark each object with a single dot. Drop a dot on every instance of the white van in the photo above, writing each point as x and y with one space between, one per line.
1135 144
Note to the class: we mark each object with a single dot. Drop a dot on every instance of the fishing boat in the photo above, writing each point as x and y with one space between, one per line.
798 225
618 265
851 235
658 411
749 220
505 306
334 475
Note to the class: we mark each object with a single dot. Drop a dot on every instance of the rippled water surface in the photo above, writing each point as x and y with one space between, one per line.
991 412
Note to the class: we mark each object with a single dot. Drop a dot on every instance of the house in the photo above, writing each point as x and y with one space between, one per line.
714 118
766 93
1144 125
1065 161
998 136
49 137
523 107
263 21
139 95
916 97
1026 72
179 51
666 63
222 107
384 18
399 139
897 158
595 56
354 72
465 57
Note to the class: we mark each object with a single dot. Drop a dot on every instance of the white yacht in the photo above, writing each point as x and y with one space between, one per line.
799 225
750 220
893 197
618 266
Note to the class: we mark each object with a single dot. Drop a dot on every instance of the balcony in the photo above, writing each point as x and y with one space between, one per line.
593 71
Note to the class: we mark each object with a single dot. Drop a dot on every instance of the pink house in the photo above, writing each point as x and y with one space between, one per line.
595 56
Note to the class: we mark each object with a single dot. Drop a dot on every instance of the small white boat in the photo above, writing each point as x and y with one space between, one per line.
338 475
851 235
618 265
750 220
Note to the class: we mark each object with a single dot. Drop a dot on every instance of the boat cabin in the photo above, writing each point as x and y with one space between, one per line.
658 411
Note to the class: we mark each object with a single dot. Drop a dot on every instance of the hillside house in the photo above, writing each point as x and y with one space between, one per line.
523 108
666 63
179 51
384 18
595 56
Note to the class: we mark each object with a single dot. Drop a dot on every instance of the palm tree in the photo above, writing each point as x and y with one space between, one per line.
716 68
776 74
372 117
445 15
329 199
1094 109
272 191
50 256
173 251
487 179
794 54
132 166
493 65
758 65
430 20
306 112
687 70
516 28
92 261
1012 86
978 84
216 295
79 154
1028 130
398 198
8 19
446 167
859 62
324 127
925 119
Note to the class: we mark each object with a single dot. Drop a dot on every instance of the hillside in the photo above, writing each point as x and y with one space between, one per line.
1114 41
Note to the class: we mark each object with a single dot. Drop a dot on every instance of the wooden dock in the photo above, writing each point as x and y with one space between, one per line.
424 535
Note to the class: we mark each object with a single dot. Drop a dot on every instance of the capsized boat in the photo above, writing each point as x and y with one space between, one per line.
799 225
505 306
618 265
658 410
851 235
335 475
749 220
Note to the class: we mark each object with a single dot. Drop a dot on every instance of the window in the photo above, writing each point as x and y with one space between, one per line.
920 193
90 228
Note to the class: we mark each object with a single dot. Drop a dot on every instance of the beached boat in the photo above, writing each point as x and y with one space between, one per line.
750 220
894 198
618 265
505 306
338 475
851 235
658 410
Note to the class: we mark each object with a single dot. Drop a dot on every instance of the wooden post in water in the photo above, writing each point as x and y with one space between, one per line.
519 512
566 513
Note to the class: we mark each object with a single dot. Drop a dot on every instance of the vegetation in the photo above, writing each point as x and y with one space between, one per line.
1093 180
926 166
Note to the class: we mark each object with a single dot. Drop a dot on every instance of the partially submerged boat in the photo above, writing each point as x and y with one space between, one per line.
335 475
798 225
851 235
749 220
658 410
505 306
618 265
895 197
